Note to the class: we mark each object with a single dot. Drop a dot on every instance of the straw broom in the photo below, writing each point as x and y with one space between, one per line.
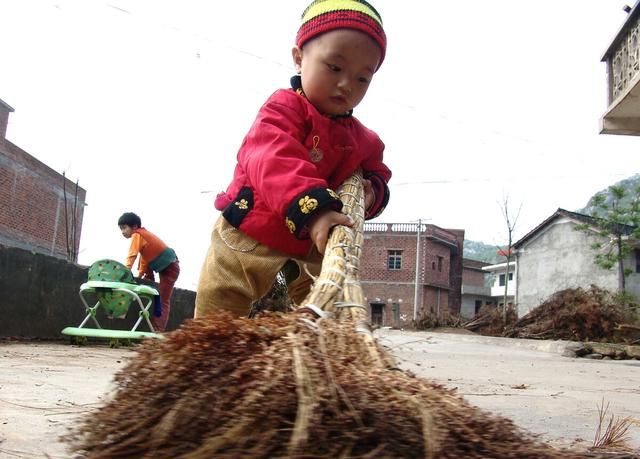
337 291
292 386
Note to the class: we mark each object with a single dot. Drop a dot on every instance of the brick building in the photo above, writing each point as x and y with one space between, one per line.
389 271
40 210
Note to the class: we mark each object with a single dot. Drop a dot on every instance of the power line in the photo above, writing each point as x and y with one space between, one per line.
518 178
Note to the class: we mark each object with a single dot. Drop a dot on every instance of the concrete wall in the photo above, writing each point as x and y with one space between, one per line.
4 119
39 297
468 308
474 287
556 259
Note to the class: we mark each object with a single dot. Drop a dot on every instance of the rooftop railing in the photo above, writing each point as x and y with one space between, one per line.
624 58
623 74
427 230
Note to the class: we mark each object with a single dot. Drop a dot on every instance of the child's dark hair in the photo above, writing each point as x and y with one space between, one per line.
130 219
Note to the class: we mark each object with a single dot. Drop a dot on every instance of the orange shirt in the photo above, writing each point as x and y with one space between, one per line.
148 245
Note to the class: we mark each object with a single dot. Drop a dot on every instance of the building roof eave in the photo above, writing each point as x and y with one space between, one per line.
628 23
578 217
6 105
498 266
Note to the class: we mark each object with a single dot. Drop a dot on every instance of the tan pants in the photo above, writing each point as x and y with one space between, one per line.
238 270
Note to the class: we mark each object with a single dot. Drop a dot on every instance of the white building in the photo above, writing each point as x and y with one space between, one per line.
500 274
555 256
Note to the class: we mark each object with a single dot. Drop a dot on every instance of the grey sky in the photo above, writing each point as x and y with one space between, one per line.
146 102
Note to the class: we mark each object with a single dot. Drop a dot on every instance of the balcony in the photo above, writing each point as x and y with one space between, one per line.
623 74
478 290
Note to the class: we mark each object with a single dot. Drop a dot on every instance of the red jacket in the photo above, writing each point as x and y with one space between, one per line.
288 166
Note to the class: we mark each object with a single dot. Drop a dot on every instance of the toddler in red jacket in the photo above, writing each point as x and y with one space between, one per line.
155 255
304 143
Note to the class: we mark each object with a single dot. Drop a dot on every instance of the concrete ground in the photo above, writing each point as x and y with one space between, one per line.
528 381
44 386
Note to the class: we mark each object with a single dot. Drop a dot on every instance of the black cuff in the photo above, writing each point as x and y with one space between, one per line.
306 206
237 210
381 191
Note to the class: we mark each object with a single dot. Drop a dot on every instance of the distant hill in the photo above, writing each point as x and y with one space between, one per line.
630 184
476 250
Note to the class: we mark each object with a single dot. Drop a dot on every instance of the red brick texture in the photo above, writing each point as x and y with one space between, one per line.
32 209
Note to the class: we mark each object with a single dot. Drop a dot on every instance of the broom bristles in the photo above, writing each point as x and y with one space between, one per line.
279 386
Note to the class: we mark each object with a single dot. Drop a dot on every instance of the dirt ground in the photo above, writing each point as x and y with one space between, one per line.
45 386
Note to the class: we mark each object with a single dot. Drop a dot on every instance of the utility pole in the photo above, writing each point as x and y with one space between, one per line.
417 279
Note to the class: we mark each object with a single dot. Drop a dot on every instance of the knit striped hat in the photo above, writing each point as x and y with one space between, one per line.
325 15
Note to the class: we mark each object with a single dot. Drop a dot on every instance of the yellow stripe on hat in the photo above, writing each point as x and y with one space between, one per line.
327 6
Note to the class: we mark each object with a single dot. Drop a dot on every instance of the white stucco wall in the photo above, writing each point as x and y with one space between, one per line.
556 259
497 290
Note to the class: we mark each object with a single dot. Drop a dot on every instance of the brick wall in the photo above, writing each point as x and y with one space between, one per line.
440 270
437 262
472 273
455 295
32 214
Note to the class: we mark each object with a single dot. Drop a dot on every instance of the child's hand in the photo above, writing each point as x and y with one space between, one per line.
320 226
369 195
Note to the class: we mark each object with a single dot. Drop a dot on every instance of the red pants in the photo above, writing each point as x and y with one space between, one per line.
168 279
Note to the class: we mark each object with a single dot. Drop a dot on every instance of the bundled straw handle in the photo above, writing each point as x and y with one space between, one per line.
337 291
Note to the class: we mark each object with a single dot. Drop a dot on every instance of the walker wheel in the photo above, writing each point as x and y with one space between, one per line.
78 340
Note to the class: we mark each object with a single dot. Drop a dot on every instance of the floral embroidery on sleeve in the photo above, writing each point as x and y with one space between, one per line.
306 205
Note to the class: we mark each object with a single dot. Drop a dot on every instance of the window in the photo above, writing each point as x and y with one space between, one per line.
502 278
637 252
394 260
440 264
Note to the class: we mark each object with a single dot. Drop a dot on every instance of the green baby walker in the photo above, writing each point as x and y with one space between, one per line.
111 285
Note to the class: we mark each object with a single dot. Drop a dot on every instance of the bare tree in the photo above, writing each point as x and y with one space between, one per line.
70 221
511 220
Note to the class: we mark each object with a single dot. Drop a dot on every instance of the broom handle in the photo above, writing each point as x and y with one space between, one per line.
353 305
340 259
337 290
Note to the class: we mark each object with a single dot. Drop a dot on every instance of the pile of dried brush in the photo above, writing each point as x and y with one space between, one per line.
573 314
431 321
490 321
288 386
